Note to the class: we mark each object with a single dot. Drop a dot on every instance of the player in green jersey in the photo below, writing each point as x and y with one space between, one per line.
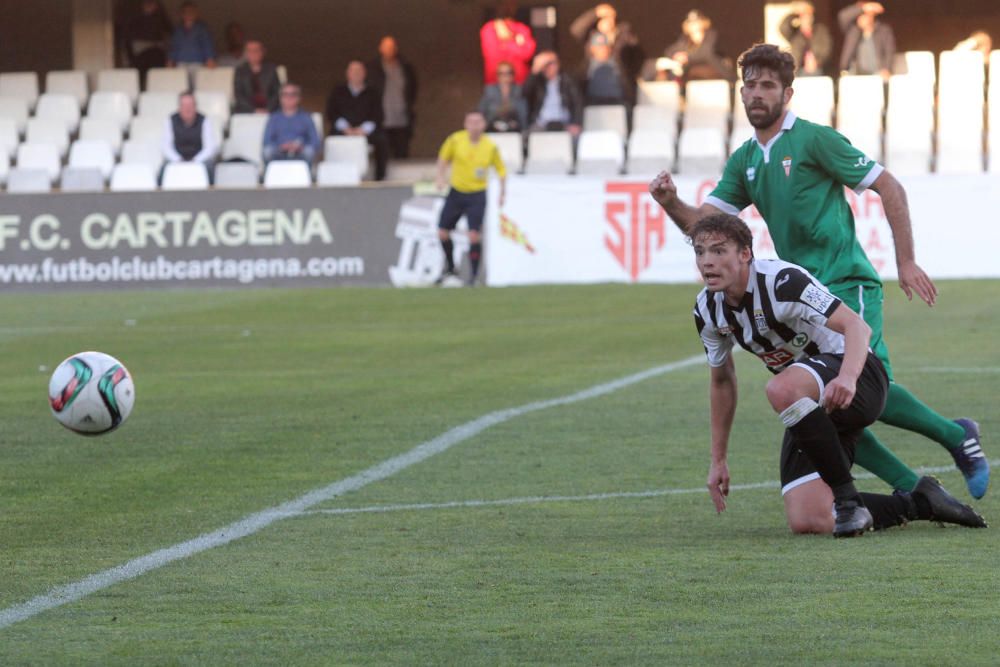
794 172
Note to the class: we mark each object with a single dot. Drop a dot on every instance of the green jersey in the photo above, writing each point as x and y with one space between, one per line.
797 183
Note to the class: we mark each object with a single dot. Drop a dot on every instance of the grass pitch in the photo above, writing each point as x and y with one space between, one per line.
248 399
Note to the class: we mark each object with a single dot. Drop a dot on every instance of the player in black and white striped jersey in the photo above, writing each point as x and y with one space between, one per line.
828 385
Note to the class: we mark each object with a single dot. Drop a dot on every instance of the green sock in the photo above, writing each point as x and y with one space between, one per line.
906 411
872 455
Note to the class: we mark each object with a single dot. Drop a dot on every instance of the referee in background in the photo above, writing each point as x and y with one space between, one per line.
470 154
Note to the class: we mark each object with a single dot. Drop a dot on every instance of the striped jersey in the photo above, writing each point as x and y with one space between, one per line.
782 318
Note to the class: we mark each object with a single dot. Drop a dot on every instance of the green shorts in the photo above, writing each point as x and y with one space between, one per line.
866 301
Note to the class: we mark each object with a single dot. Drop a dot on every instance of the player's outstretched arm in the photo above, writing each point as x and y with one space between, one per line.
664 192
722 408
912 278
840 391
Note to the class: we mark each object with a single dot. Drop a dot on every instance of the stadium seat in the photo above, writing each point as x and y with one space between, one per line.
157 105
48 131
185 176
920 64
909 125
813 99
28 180
16 109
246 138
859 112
606 117
69 82
93 154
329 174
81 179
119 81
219 80
39 156
133 178
23 85
287 174
9 138
665 94
147 128
706 104
113 106
102 129
59 107
960 113
167 80
600 153
236 175
701 151
136 151
652 117
993 121
317 119
347 149
214 104
549 153
511 147
650 151
4 167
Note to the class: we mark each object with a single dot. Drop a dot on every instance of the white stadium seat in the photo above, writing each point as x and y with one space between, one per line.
511 147
813 99
287 174
706 104
59 107
147 128
920 64
133 178
81 179
114 106
652 117
102 129
69 82
185 176
993 122
329 174
960 113
16 109
859 112
95 154
219 79
317 119
215 104
29 180
23 85
650 151
909 125
600 153
48 131
135 151
9 138
167 80
701 151
246 138
664 94
549 153
157 105
39 156
236 175
606 117
119 81
347 149
4 167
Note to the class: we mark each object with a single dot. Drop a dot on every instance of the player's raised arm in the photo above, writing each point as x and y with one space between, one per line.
722 407
664 192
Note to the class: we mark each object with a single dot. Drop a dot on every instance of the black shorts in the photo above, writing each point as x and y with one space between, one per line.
470 204
864 410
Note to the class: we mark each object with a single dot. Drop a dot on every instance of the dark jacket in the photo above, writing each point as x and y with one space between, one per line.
491 104
821 43
366 107
703 60
572 98
376 79
626 48
243 87
885 40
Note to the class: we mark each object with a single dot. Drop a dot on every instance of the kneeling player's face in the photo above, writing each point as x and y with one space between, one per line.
764 98
719 261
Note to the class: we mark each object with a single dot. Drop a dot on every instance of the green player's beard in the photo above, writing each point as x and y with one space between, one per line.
771 115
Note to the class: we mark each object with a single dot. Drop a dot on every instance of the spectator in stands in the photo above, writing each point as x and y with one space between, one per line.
505 39
147 36
605 83
235 45
192 44
502 103
811 42
255 82
553 98
397 80
625 48
188 135
290 133
695 50
980 41
869 44
355 109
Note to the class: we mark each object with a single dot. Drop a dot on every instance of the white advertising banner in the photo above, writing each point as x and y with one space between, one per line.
577 229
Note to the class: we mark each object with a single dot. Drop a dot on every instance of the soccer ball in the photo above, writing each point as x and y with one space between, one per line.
91 393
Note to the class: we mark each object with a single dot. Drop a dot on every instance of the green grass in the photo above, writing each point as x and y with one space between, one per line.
247 399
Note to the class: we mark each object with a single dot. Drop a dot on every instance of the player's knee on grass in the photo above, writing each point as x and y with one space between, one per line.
809 508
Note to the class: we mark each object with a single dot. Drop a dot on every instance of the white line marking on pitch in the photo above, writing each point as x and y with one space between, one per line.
256 522
959 369
613 495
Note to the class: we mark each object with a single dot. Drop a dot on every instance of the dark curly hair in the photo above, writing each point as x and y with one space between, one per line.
727 226
768 56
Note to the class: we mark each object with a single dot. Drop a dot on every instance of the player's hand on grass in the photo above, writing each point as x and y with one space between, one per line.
913 279
663 189
839 393
718 485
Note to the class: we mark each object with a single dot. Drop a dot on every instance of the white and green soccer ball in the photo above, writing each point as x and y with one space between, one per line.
91 393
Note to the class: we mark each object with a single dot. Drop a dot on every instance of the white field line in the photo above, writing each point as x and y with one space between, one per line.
614 495
959 370
256 522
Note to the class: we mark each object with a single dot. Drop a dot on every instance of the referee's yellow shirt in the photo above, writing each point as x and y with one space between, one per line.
471 162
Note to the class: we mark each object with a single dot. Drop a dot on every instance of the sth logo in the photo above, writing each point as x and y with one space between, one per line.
637 226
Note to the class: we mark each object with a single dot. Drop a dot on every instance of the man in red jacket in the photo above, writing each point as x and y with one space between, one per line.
505 39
